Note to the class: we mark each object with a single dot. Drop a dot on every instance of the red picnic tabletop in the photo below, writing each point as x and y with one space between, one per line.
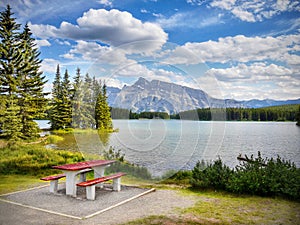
84 165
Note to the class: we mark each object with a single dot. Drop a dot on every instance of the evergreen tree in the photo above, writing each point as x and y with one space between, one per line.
21 82
10 59
88 104
77 97
102 111
56 102
298 117
32 98
66 104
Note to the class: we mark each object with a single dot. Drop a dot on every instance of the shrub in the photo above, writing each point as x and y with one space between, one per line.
256 176
266 177
34 160
181 177
215 175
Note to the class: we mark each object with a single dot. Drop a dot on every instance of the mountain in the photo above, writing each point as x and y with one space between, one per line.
160 96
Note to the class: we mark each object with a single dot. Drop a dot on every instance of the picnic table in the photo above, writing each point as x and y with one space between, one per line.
72 170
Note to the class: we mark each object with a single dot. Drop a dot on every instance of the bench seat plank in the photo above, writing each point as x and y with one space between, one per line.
100 180
91 184
53 177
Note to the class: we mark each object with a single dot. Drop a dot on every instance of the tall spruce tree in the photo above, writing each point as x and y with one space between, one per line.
298 117
102 111
32 99
66 104
56 102
10 59
88 104
77 97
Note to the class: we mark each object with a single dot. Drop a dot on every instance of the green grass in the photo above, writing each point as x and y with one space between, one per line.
11 183
223 208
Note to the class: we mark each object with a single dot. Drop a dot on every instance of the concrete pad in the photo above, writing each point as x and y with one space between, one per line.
76 208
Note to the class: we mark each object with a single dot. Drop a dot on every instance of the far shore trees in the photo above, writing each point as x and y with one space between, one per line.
81 104
298 117
21 82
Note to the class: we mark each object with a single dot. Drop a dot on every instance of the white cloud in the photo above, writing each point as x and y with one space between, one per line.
49 65
252 73
239 49
106 2
243 15
252 11
189 19
41 43
96 53
257 80
196 2
112 27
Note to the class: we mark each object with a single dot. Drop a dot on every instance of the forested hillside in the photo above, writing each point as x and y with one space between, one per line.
274 113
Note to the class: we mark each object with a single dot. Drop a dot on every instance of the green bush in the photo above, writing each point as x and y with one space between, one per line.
181 177
34 160
266 177
215 175
256 176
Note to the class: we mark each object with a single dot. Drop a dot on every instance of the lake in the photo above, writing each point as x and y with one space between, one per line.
163 145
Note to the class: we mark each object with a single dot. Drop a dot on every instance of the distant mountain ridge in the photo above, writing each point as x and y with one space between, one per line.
160 96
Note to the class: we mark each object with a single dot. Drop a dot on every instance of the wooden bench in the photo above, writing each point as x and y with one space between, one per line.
91 184
54 179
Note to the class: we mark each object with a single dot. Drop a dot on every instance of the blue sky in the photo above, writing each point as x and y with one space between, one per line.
229 48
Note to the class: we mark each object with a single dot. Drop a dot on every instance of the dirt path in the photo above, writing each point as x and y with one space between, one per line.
160 202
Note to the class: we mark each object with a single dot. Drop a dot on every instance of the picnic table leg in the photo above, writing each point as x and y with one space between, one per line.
53 186
117 184
70 183
82 177
99 172
91 192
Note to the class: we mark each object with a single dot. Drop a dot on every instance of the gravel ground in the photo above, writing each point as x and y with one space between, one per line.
160 202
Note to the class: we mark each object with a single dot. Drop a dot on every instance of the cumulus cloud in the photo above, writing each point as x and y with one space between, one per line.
257 79
239 49
49 65
188 19
96 53
252 11
254 72
41 43
106 2
112 27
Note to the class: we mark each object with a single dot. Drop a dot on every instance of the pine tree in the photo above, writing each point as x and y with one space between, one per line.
56 102
88 104
102 111
298 117
10 59
32 98
66 104
77 97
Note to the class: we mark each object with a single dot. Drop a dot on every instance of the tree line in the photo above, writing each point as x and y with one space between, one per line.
81 104
275 113
21 82
119 113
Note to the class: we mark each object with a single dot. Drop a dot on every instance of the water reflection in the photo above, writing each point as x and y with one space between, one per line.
94 142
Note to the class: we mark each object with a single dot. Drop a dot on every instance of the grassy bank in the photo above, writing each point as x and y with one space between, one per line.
13 182
222 208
